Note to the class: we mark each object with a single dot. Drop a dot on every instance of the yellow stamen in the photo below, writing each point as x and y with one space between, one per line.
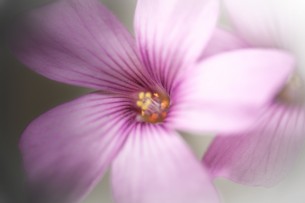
148 95
153 106
139 103
141 95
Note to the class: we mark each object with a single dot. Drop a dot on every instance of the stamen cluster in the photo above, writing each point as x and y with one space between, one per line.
153 106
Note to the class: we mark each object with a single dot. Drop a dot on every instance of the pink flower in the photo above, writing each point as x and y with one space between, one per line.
148 89
262 155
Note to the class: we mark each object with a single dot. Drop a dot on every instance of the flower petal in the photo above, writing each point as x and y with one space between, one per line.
79 42
172 34
156 166
67 150
255 20
272 23
226 92
262 156
275 23
249 77
209 118
223 41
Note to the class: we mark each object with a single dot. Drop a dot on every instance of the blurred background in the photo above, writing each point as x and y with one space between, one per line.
24 95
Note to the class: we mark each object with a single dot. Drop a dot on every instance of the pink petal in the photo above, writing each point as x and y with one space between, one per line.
255 21
270 23
226 92
210 118
155 166
274 23
172 34
261 156
249 77
68 149
223 41
79 42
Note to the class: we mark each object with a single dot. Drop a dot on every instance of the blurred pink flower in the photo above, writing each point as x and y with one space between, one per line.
148 89
262 155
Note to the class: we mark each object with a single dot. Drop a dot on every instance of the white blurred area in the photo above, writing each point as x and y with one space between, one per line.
290 190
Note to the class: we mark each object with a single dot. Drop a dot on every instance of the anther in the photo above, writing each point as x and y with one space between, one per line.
153 106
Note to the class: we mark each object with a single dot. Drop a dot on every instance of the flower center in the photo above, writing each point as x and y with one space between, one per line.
293 91
153 107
